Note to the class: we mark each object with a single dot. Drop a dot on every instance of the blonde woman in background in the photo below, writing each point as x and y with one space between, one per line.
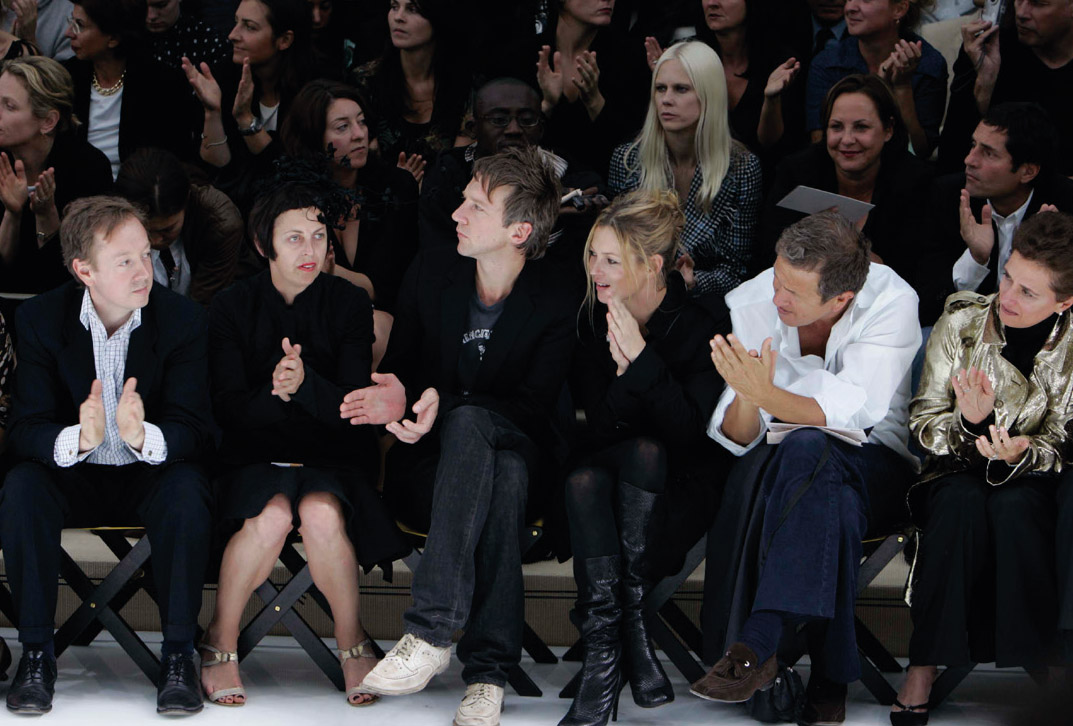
685 145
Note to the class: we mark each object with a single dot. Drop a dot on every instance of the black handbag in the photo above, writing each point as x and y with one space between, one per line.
782 702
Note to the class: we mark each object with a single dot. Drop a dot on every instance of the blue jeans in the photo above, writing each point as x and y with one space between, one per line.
470 575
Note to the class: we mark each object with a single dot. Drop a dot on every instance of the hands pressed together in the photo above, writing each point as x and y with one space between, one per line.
623 335
586 79
290 371
130 417
976 401
749 373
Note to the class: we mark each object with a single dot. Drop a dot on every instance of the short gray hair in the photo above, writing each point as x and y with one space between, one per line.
827 243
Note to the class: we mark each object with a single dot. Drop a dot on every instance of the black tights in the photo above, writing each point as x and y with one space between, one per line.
592 492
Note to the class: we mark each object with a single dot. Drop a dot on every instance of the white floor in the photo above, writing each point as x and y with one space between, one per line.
100 685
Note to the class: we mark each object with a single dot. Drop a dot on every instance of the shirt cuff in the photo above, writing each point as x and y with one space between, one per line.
968 273
65 450
715 430
154 448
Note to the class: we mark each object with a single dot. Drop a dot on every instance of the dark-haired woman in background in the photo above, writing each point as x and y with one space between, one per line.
420 86
46 164
195 231
880 40
126 99
992 412
271 46
862 155
373 250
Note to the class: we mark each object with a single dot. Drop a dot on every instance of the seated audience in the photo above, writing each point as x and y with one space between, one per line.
479 351
1028 57
328 125
40 24
862 155
592 104
111 419
286 346
685 145
419 87
174 35
644 366
1009 176
993 408
270 44
832 347
196 232
881 42
126 99
49 165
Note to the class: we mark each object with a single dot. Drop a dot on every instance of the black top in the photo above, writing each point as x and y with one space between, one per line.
1022 344
526 361
190 37
1021 77
479 329
332 321
81 171
670 390
896 226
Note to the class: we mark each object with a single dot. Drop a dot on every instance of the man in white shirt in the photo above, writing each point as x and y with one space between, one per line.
1008 177
111 416
831 348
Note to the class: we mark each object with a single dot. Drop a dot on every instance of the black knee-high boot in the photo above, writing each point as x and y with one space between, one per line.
639 522
597 617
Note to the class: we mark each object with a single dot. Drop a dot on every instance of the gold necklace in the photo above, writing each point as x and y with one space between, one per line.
108 91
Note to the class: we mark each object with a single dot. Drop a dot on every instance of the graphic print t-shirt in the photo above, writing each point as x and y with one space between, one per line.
482 319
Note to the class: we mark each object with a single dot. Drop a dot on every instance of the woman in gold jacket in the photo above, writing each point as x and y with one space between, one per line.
991 411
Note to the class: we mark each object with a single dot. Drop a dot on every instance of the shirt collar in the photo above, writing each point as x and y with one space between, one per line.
89 317
1016 216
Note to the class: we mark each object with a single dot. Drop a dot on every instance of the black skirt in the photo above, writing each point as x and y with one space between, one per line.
245 490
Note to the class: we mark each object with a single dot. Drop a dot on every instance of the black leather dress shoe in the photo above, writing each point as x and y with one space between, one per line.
35 682
178 692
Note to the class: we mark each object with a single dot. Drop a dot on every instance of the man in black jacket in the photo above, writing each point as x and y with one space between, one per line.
111 415
1009 176
486 334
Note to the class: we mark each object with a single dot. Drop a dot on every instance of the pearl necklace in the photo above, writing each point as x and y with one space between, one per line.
108 91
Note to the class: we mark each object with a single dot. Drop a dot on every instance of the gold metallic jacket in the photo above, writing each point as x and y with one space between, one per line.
970 334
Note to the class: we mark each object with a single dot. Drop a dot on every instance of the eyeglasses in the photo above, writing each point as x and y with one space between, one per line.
75 24
525 119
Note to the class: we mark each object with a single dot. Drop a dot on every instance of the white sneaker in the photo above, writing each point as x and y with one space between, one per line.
407 668
481 705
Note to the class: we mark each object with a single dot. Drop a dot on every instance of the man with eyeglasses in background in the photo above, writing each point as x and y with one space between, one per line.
507 114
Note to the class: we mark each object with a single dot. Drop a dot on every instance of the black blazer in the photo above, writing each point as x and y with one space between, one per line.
158 107
526 360
167 355
936 280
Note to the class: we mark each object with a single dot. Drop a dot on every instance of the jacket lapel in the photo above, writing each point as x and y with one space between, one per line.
76 363
141 353
454 312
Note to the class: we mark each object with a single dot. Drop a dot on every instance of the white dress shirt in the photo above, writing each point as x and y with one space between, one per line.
968 273
863 379
110 359
180 278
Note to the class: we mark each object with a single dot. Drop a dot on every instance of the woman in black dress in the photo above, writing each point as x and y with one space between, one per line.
644 365
286 345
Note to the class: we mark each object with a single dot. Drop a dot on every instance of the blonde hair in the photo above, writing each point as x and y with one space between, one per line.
646 223
711 143
49 86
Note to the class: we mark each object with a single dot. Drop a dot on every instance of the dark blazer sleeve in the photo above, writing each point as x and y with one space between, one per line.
42 407
181 407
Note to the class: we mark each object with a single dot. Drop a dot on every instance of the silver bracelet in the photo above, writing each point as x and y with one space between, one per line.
221 142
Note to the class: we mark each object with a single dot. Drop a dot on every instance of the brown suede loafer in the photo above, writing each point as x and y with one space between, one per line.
736 677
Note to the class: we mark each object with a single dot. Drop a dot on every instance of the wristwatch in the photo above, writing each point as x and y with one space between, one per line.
255 126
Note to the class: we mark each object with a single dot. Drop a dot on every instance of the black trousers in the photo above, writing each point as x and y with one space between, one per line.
171 501
1064 561
984 588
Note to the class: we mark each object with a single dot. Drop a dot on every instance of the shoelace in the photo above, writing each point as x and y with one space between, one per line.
406 646
35 667
175 664
483 690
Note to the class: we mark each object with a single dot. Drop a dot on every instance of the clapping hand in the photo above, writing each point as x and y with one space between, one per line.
13 188
381 403
1002 446
652 52
242 108
978 236
781 78
25 26
685 265
130 415
587 80
899 68
205 86
91 418
550 76
414 163
975 396
43 197
624 335
749 373
426 408
289 372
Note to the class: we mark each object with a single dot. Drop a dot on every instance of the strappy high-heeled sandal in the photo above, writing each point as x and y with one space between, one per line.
909 715
361 650
219 657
